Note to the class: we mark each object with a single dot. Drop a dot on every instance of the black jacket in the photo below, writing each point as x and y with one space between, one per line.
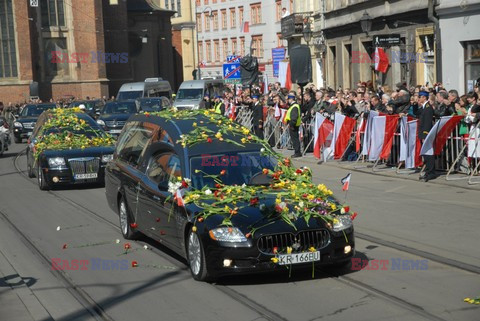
444 110
425 116
257 116
402 104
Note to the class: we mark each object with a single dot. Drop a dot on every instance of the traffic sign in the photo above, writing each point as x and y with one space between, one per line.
233 59
231 71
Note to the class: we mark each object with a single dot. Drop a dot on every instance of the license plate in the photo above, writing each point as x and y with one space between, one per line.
115 131
287 259
86 176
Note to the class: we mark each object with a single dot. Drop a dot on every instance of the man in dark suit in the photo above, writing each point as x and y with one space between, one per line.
257 116
426 115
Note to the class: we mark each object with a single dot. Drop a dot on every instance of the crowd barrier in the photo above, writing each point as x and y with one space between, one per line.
453 160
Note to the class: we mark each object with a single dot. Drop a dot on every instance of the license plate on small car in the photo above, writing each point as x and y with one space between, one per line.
287 259
115 131
86 176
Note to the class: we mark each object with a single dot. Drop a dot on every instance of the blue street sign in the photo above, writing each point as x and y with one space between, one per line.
231 71
233 59
278 54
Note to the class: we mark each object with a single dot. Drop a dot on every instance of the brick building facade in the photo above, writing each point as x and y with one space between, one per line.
61 45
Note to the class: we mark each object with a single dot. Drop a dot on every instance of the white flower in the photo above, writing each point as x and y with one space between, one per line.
301 204
244 185
58 228
117 241
282 205
187 180
342 210
145 247
262 207
208 192
262 150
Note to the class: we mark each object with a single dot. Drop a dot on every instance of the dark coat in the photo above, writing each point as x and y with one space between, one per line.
444 110
425 116
257 116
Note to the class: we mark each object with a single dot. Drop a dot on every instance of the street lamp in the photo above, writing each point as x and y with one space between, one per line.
366 22
196 26
307 33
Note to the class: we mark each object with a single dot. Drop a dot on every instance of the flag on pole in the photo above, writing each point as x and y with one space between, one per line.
410 143
381 60
342 131
383 130
367 137
360 130
323 134
346 182
246 27
437 137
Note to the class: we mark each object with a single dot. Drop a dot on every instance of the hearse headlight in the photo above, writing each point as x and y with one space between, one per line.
17 124
342 222
227 234
100 122
107 158
56 161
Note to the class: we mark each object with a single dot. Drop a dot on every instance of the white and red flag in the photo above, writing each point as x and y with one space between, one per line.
410 144
474 143
342 132
323 135
179 197
381 60
246 27
368 132
437 137
383 130
346 182
360 130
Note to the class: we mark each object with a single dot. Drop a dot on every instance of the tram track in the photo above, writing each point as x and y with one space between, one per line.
255 306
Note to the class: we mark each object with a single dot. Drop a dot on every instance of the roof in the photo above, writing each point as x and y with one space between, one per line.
179 127
198 83
144 6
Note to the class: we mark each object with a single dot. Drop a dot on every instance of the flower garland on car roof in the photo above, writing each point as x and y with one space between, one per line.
67 122
296 197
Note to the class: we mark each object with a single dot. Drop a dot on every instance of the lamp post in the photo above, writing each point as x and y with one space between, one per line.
307 33
366 22
199 74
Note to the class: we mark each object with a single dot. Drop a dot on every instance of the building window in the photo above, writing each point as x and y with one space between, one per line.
234 46
209 50
233 18
8 58
224 19
179 8
56 58
206 1
240 15
279 40
278 10
216 50
53 13
242 46
199 22
214 1
200 52
215 20
291 6
257 46
472 64
166 5
197 3
256 13
207 22
225 49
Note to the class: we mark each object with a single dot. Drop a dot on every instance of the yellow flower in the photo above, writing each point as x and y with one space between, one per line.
310 197
293 187
194 229
466 300
335 221
194 124
289 250
312 249
274 259
244 140
218 135
226 208
333 206
245 131
197 171
278 200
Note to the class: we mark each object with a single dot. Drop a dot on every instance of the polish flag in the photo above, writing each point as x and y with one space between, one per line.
288 81
342 131
437 137
410 144
346 182
246 27
179 197
323 134
360 130
367 137
383 130
381 60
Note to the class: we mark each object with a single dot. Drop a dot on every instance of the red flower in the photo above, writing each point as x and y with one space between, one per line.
127 246
287 161
147 114
354 215
218 186
134 264
265 171
347 209
278 208
216 193
184 184
200 219
64 246
209 140
254 201
248 235
305 195
276 175
298 171
223 172
133 225
157 219
249 137
275 250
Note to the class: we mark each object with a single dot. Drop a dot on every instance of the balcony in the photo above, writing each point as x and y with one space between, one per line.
292 25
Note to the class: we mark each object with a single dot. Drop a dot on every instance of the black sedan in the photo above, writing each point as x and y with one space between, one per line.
23 126
152 104
143 181
68 166
114 115
92 107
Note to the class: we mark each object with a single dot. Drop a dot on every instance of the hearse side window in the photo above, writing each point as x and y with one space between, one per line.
132 143
163 168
